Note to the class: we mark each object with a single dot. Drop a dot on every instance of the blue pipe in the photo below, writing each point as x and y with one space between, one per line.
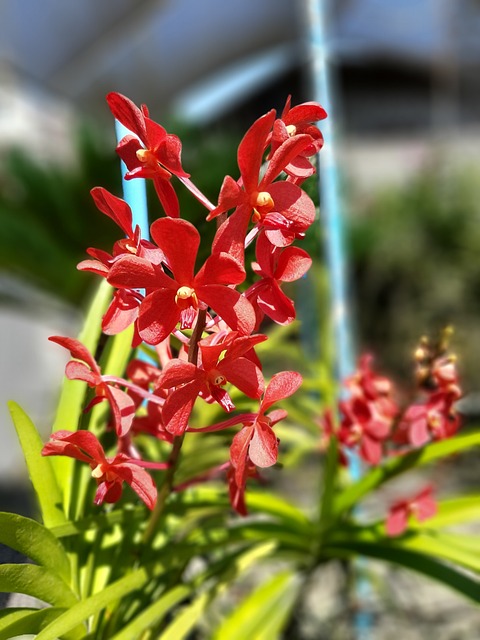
331 207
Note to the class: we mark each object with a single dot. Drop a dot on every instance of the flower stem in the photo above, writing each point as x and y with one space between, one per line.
167 485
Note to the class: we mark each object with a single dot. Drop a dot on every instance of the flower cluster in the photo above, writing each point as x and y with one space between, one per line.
373 426
159 288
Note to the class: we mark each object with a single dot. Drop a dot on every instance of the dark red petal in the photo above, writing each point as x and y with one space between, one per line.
115 208
293 263
230 237
220 268
396 521
77 350
179 240
293 203
176 372
122 311
276 305
178 407
169 154
263 449
140 481
94 266
266 255
244 375
127 151
167 196
251 149
281 386
285 153
79 371
371 450
239 453
230 196
123 409
133 272
230 305
158 316
305 113
128 114
82 445
156 134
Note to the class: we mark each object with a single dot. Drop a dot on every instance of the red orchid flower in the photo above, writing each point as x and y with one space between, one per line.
151 152
364 426
293 122
109 473
281 208
275 265
220 362
256 441
84 367
236 492
170 300
436 419
421 507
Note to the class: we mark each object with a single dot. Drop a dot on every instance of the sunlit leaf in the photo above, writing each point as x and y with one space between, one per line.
34 541
40 469
36 581
263 614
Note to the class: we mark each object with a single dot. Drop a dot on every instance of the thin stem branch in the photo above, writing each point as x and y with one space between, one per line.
167 485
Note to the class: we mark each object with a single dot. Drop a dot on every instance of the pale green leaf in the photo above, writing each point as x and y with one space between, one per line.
34 541
263 614
98 601
457 579
223 575
37 582
153 614
395 466
40 468
452 512
24 621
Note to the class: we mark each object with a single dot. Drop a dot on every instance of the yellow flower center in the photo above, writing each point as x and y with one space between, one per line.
262 203
291 129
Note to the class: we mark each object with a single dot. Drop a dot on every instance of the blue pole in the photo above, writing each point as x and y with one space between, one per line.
134 191
135 195
331 209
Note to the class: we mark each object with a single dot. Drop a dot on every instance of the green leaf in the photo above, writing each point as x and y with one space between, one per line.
274 505
451 512
153 614
22 621
433 544
37 582
36 542
222 575
98 601
263 614
39 468
395 466
429 566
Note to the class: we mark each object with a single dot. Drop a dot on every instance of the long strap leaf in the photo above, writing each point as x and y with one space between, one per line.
19 622
34 541
262 615
377 476
40 469
97 602
459 580
36 581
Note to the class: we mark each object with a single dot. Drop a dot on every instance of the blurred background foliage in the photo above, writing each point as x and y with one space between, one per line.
414 252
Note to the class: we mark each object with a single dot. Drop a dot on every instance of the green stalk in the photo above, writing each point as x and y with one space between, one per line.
174 457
